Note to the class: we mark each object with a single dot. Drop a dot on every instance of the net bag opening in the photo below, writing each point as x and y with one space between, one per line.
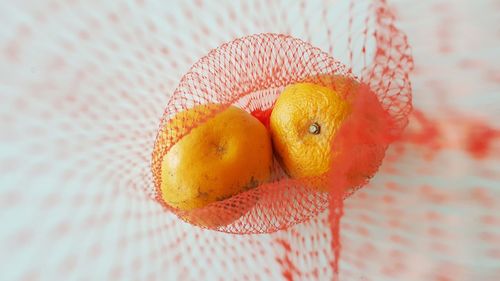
250 73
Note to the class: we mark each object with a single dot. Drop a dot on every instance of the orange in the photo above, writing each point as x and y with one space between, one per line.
305 123
229 153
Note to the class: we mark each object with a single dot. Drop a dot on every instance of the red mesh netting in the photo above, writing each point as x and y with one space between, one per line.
87 88
251 72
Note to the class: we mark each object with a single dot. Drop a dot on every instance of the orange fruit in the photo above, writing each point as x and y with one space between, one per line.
229 153
305 124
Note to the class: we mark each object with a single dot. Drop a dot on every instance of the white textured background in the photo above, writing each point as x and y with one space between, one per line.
84 83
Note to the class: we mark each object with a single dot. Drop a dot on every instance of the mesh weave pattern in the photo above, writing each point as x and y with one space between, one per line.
252 71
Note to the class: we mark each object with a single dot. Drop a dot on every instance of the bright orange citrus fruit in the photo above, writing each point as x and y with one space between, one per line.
307 117
228 154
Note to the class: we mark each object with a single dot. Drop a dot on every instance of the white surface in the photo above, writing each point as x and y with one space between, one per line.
72 206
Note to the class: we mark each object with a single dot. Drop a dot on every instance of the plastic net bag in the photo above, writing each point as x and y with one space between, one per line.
252 72
86 88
